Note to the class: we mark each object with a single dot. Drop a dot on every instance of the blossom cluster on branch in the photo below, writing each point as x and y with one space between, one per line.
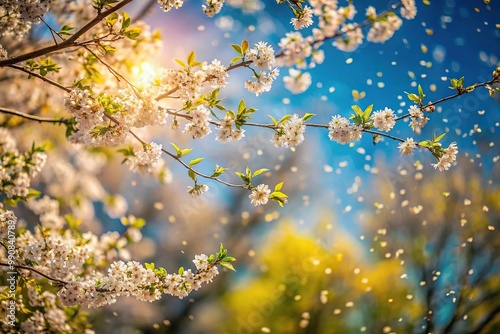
88 79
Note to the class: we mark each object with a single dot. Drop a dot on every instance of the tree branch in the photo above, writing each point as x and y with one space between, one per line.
71 41
34 74
19 266
40 119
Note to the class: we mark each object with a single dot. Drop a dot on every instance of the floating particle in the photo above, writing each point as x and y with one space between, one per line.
423 48
303 323
429 32
349 304
331 89
411 74
477 10
379 74
337 311
328 168
356 95
286 100
265 330
491 227
467 201
349 61
432 87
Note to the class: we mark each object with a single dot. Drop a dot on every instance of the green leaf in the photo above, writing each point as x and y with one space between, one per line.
126 21
32 193
177 149
259 171
133 33
414 98
241 107
275 122
180 62
227 265
244 46
150 266
437 139
111 19
357 110
192 175
284 118
218 171
190 58
236 59
65 30
367 112
278 186
237 48
195 161
307 116
181 271
421 94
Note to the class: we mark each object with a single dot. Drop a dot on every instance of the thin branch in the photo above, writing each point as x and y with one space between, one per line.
459 93
34 74
71 41
19 266
40 119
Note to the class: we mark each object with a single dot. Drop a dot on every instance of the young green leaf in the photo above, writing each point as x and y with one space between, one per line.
195 161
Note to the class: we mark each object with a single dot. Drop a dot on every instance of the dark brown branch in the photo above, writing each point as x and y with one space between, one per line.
19 266
71 41
34 74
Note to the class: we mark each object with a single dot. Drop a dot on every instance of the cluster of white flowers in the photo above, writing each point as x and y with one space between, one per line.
133 279
126 109
290 133
350 40
303 18
382 30
409 10
16 169
197 190
343 131
447 158
17 17
167 5
384 120
262 56
407 146
295 48
5 217
216 74
418 119
146 160
260 195
263 82
213 7
297 82
59 255
188 83
48 211
199 125
52 316
227 130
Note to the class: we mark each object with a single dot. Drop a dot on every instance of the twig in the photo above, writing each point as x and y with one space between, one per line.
71 41
40 119
19 266
47 80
